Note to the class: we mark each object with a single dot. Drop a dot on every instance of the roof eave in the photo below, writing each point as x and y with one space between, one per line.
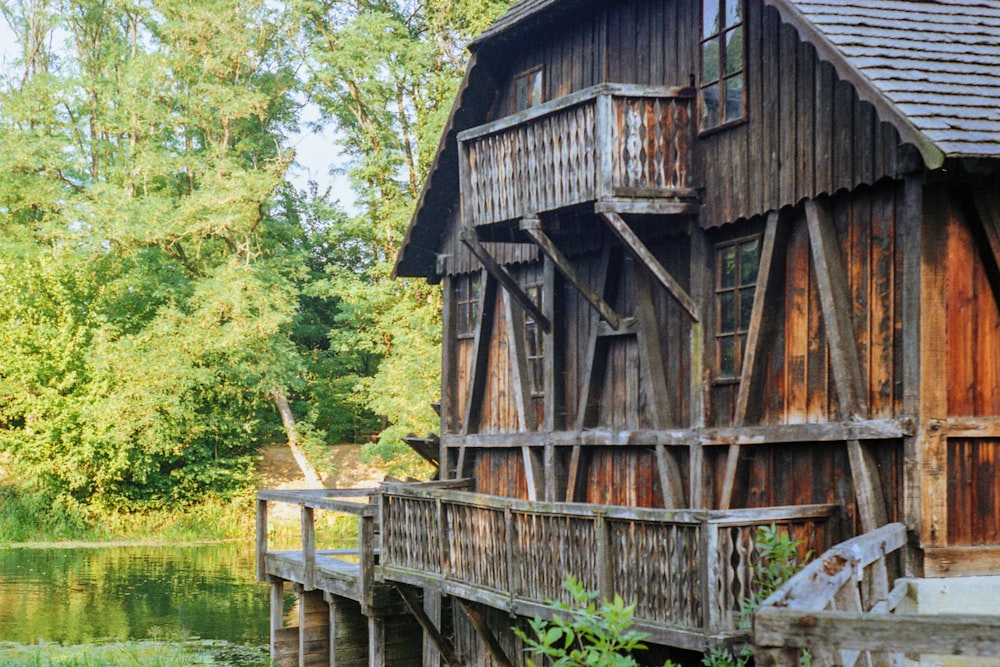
931 154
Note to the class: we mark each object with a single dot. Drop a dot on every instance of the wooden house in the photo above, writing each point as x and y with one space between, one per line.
706 265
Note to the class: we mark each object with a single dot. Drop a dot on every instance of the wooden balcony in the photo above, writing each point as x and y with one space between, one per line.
686 570
622 146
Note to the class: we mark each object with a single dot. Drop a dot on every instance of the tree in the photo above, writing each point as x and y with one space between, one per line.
148 275
385 73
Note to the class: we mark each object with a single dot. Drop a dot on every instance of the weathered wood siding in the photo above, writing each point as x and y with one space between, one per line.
647 42
807 131
798 384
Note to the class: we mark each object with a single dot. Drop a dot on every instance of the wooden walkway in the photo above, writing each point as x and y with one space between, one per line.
686 570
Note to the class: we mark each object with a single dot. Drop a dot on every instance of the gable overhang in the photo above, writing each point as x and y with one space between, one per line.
865 88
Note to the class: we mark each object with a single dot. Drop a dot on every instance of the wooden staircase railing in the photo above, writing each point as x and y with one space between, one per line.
841 610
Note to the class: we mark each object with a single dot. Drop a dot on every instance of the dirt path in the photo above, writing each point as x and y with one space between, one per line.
279 471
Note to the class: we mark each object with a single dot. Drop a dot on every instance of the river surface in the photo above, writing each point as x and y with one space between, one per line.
88 594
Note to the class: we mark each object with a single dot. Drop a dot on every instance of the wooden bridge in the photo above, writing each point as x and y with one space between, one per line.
686 570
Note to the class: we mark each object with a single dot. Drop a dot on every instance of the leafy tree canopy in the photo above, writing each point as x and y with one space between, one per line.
162 284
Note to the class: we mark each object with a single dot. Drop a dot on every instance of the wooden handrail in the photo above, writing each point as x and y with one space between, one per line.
580 97
841 607
680 516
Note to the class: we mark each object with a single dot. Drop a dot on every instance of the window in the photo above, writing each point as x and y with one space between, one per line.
722 94
735 283
528 88
535 343
467 304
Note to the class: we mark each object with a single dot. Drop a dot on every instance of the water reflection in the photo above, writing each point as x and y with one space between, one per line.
83 595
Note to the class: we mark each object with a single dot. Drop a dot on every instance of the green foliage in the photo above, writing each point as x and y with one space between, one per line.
585 632
157 652
779 559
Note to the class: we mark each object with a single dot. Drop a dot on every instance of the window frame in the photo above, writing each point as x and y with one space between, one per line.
724 74
534 78
739 289
467 294
534 333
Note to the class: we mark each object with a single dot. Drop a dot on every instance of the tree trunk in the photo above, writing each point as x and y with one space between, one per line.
288 419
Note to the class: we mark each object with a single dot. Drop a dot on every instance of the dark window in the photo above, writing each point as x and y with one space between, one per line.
535 343
528 88
722 94
735 283
467 304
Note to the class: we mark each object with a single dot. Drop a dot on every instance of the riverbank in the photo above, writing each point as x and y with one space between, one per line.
29 518
135 654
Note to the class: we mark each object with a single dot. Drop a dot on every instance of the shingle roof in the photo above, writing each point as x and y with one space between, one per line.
937 62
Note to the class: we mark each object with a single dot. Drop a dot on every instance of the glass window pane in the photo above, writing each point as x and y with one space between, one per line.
746 307
521 92
710 17
727 312
727 266
734 12
749 259
709 61
734 50
536 88
727 357
734 97
710 107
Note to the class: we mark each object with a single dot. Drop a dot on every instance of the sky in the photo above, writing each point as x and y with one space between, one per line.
316 153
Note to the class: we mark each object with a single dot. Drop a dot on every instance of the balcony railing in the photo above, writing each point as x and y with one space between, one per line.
603 143
685 570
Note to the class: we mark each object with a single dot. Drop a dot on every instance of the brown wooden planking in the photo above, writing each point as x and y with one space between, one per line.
973 502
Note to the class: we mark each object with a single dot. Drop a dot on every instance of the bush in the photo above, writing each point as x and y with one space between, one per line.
585 633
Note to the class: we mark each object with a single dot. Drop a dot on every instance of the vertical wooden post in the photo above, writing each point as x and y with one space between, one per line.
604 136
314 629
376 641
366 559
910 234
261 540
308 547
442 537
448 375
710 577
513 555
605 570
932 441
277 615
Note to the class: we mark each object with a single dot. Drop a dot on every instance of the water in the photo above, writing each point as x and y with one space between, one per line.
83 595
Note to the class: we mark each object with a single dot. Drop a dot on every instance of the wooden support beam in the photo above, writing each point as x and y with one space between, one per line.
441 643
754 337
831 277
574 473
702 291
510 284
483 630
480 354
834 296
520 380
751 351
867 487
659 393
596 352
534 229
533 473
449 372
982 214
646 258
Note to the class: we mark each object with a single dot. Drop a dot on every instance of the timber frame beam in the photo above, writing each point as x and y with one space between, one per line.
648 260
533 227
766 271
510 284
